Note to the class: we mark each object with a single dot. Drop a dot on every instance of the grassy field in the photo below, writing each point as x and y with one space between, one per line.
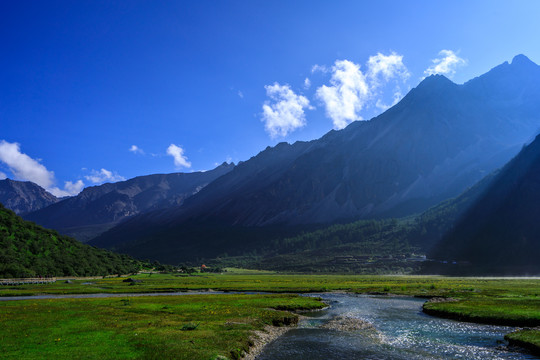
518 311
507 308
273 282
165 327
112 323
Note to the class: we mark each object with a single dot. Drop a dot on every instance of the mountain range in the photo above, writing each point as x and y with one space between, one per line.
438 140
99 208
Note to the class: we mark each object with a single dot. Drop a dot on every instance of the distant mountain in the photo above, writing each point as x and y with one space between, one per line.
500 234
438 140
28 250
24 196
99 208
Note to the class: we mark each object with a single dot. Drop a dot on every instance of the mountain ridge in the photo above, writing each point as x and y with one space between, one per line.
438 140
100 207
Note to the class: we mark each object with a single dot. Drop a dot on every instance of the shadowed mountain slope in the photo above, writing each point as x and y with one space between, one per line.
98 208
437 141
500 234
24 196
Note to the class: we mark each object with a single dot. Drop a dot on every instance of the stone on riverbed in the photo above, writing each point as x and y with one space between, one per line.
345 323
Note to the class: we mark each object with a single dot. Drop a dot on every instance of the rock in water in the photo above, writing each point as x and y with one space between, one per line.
345 323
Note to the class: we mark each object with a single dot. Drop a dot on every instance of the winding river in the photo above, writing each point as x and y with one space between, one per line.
401 331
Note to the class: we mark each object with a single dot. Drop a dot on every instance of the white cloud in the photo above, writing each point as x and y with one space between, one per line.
386 67
352 91
241 94
74 188
307 83
347 95
24 168
2 176
286 111
103 175
136 150
180 160
445 64
382 69
70 189
321 68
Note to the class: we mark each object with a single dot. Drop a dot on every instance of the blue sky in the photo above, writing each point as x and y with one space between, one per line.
186 85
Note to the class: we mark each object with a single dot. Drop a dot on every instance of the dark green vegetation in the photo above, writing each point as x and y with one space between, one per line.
500 233
438 140
28 250
168 327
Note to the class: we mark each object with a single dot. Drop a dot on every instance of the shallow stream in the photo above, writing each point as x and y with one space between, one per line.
401 331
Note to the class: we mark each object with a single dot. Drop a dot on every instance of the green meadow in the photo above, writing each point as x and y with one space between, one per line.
165 327
237 280
205 326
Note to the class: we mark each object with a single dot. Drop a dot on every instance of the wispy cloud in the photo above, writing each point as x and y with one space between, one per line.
396 97
103 175
136 150
240 94
180 160
319 68
284 112
2 176
446 64
25 168
307 83
347 95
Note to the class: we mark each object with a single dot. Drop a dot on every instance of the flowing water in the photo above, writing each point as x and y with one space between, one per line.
401 331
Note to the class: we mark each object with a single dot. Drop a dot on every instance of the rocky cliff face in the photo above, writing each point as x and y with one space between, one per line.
24 196
440 139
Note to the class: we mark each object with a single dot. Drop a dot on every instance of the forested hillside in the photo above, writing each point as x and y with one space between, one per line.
28 250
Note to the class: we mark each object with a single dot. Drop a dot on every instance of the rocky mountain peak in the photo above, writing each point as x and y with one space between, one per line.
522 60
24 196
